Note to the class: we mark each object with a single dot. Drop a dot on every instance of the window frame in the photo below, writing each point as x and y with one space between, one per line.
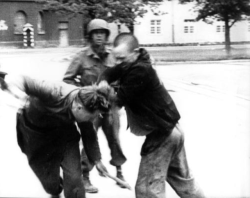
17 19
155 26
189 26
40 23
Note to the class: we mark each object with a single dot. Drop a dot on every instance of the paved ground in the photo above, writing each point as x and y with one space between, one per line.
213 100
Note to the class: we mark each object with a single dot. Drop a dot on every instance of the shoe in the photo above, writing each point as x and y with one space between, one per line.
120 176
89 188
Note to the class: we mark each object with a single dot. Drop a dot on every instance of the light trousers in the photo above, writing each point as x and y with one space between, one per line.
168 163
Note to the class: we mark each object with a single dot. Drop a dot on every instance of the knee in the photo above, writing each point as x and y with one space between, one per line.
177 136
189 188
53 188
192 193
74 188
140 190
76 193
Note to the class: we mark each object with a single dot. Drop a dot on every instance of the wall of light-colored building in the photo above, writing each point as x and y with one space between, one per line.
173 23
114 30
142 27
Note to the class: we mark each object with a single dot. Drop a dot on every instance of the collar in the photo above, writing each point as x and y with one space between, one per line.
90 52
144 55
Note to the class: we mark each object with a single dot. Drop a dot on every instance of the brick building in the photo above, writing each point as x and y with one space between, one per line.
50 29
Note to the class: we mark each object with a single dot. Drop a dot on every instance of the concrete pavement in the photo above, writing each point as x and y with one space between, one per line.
215 121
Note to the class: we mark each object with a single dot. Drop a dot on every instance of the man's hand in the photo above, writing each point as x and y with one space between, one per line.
101 168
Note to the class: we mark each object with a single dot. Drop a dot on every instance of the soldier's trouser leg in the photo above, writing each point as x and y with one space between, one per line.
111 125
72 179
167 163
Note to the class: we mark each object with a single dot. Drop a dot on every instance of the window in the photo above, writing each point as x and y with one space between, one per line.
217 28
189 20
185 29
191 29
155 26
189 25
220 28
20 20
188 29
40 23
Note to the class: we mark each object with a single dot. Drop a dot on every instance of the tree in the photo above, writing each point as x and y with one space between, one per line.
124 11
229 11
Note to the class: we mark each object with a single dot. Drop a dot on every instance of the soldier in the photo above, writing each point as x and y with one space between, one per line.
89 64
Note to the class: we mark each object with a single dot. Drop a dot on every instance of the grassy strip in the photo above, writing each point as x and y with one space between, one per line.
199 55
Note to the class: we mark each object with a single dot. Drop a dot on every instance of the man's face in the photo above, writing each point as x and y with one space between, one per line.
124 55
81 114
99 36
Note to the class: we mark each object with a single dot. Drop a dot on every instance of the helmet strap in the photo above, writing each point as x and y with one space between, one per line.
99 50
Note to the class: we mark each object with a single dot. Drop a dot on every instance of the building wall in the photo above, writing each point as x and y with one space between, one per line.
176 18
51 33
114 30
172 25
7 12
52 27
142 28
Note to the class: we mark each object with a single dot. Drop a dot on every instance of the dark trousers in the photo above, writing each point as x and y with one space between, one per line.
72 180
167 163
110 124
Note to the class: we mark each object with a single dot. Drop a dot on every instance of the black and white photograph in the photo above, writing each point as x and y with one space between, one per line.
125 99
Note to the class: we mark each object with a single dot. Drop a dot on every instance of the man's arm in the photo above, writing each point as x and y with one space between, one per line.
90 141
72 71
111 74
91 145
24 85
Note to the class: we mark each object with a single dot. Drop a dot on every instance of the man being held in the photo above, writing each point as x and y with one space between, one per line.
88 64
151 112
47 134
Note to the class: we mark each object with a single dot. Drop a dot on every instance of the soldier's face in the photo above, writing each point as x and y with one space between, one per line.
124 55
99 37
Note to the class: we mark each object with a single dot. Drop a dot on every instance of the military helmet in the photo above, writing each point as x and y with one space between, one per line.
97 24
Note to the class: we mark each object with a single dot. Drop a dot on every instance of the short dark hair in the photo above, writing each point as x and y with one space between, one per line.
127 38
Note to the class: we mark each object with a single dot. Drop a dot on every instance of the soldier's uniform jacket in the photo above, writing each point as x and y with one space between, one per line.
89 66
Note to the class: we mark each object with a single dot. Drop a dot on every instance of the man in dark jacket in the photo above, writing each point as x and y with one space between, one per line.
89 64
47 134
151 112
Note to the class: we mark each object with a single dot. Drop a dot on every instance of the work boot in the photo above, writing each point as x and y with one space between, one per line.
89 188
120 176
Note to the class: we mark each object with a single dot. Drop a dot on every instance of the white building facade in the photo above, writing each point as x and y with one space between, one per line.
177 25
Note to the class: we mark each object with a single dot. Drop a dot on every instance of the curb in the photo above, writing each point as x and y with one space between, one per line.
166 63
30 50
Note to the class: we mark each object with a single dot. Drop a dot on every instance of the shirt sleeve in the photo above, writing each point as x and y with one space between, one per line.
90 141
111 74
45 91
73 70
